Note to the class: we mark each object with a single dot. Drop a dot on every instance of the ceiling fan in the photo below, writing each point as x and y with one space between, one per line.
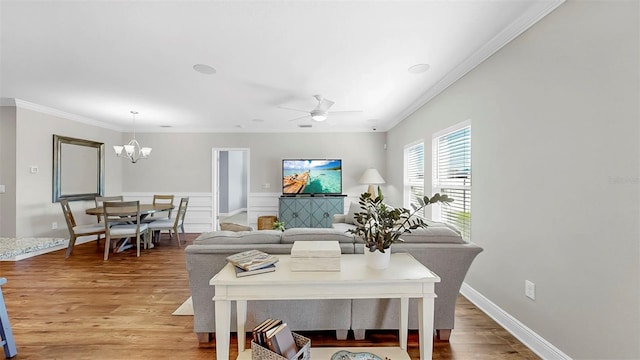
320 112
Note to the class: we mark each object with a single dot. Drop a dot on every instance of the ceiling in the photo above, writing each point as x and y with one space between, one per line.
95 61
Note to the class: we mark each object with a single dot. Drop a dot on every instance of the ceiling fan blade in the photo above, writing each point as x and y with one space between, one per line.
301 117
288 108
346 112
325 104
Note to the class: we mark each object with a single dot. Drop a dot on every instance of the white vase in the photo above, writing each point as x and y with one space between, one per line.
377 259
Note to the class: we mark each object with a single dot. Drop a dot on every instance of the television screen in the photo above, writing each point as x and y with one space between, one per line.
312 176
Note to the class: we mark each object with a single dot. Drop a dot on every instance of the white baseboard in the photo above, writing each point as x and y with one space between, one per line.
528 337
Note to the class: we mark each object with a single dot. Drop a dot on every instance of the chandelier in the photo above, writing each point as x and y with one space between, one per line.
132 151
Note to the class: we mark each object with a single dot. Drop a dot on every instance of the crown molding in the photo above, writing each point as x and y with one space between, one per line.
62 114
535 13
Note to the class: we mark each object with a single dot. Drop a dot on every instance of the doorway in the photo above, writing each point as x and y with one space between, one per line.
230 182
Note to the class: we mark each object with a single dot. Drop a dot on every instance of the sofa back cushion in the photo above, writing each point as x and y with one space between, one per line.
290 236
434 233
239 237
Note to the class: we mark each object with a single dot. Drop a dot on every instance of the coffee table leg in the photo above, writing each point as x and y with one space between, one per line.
223 321
404 322
241 313
425 326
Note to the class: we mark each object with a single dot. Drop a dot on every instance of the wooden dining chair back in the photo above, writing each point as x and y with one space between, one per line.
76 231
162 199
171 225
101 199
121 221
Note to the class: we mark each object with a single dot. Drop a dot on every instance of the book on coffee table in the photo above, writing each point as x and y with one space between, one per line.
252 259
242 272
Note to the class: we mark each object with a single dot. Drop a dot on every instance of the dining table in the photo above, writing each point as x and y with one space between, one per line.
145 210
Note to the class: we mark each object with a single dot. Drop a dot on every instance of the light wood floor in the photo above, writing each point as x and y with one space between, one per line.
87 308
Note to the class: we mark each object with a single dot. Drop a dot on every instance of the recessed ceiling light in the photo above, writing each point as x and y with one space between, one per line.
257 120
418 68
204 69
305 125
165 126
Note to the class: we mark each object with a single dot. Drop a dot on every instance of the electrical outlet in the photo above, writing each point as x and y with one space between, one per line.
266 186
33 169
54 225
530 289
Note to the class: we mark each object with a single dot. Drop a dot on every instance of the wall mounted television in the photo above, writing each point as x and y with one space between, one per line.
311 176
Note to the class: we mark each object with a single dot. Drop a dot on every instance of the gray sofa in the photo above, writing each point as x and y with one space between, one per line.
438 247
208 255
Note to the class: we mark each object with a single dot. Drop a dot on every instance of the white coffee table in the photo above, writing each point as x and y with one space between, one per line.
405 278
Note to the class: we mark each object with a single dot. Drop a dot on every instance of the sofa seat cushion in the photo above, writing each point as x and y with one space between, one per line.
290 236
239 237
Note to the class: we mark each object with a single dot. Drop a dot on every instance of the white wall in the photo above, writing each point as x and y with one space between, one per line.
556 195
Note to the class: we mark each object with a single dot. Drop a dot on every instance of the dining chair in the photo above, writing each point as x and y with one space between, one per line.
6 334
171 225
76 231
100 199
160 199
121 221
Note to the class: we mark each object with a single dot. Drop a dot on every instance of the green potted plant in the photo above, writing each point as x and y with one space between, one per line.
278 225
380 225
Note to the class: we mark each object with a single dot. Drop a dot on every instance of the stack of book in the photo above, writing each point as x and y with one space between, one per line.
276 336
252 262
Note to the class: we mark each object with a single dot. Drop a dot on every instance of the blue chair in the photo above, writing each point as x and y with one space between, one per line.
5 327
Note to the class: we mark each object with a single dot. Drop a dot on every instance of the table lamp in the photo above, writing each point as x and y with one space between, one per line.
371 177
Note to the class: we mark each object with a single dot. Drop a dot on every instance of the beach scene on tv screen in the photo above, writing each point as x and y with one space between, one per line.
312 176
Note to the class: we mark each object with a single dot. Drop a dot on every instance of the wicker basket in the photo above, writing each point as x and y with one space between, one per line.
261 353
266 222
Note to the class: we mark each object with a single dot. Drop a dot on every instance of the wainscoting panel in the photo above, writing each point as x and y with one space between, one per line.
199 212
261 204
199 216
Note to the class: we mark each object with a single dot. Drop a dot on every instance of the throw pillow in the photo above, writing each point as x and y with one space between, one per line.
351 215
234 227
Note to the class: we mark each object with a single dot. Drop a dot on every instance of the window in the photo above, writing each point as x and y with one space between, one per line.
414 175
452 175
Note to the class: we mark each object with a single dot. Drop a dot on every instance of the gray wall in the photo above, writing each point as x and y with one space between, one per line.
7 171
555 151
34 147
237 181
182 161
223 182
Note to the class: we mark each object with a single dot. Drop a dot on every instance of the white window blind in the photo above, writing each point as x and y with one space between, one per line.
414 178
452 175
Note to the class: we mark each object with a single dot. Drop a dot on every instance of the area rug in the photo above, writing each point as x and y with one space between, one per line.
185 309
12 249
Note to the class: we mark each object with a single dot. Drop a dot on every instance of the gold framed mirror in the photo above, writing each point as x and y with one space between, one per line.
78 169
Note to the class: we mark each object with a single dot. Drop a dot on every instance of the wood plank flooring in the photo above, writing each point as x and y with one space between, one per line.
87 308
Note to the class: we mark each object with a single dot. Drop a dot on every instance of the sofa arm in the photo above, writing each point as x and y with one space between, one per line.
339 218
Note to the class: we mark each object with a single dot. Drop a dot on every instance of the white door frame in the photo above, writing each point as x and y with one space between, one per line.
215 182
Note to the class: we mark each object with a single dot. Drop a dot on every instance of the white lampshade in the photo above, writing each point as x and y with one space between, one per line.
371 176
118 149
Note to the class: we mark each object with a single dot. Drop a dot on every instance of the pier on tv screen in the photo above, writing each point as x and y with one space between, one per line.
312 176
